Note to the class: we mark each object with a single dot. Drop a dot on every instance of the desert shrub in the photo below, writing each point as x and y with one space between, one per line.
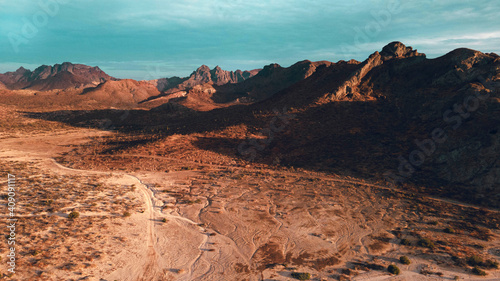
73 215
476 270
301 275
126 214
426 243
393 269
474 260
404 260
424 271
164 220
405 242
449 230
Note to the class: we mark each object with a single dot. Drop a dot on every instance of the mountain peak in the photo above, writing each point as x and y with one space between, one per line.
203 68
398 50
21 70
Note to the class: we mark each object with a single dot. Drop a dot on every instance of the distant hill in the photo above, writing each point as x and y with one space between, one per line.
59 76
123 92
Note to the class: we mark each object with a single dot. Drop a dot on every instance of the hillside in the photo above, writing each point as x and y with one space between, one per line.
123 92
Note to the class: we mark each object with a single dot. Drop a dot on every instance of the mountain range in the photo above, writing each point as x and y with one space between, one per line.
396 116
59 76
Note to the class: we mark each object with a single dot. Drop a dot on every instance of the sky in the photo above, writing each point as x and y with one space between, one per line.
151 39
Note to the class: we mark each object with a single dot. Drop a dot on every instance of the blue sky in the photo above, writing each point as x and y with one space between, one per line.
150 39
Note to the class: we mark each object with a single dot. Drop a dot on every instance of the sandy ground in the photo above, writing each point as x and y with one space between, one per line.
234 224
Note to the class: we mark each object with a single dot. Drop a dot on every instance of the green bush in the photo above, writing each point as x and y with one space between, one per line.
301 275
393 269
404 260
73 215
405 242
426 243
474 261
449 230
126 214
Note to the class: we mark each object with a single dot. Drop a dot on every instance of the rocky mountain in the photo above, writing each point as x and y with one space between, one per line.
270 80
59 76
16 77
208 89
203 75
401 118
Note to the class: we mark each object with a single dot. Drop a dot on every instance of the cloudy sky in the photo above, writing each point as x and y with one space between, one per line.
150 39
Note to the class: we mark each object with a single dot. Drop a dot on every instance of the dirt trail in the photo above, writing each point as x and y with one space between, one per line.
150 267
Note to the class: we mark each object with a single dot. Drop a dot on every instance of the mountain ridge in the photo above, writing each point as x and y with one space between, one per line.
58 76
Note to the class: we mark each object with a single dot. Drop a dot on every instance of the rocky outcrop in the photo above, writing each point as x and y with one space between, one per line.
350 88
397 50
203 75
221 77
465 66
